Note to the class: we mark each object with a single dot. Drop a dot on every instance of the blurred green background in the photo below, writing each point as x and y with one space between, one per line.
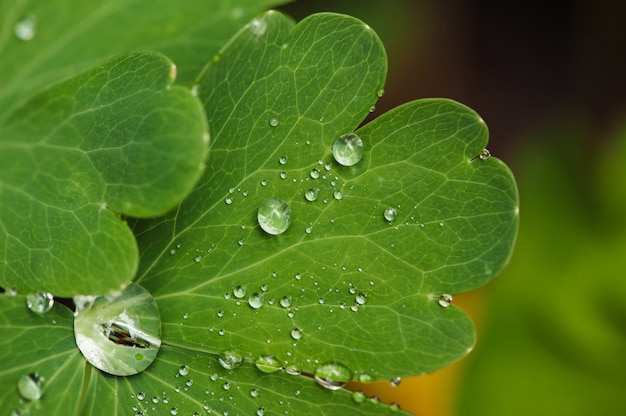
548 78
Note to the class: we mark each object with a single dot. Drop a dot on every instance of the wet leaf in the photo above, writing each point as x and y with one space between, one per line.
116 139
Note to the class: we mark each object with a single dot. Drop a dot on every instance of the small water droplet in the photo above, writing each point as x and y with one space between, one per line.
274 216
286 301
26 29
328 166
485 154
230 359
355 307
338 195
221 332
254 393
240 292
268 364
140 396
283 175
197 259
256 300
282 160
395 382
292 370
264 182
174 411
40 302
444 300
311 194
358 396
226 386
155 399
333 375
361 298
308 230
394 406
315 173
241 241
296 333
348 149
273 123
30 386
390 214
380 92
260 411
228 200
183 370
322 301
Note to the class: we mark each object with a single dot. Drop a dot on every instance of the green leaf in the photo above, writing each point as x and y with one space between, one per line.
364 291
116 139
43 345
73 35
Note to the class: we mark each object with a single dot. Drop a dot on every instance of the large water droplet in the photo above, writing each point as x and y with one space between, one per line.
286 301
332 376
311 195
348 149
239 292
230 359
274 216
120 334
273 123
40 302
485 154
390 214
256 300
315 173
30 386
444 300
361 298
296 333
26 29
268 364
183 370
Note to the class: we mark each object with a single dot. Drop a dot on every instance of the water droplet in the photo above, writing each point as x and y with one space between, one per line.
395 382
264 182
82 302
274 216
264 286
355 307
308 230
174 411
328 166
241 241
11 291
293 370
110 333
228 200
361 298
260 411
26 29
358 397
286 301
267 364
197 259
256 300
311 194
296 333
322 301
183 370
221 332
226 386
240 292
254 393
30 386
348 149
155 399
390 214
315 173
380 92
445 300
220 314
273 123
332 376
394 406
282 160
40 302
485 154
195 90
338 195
230 359
140 396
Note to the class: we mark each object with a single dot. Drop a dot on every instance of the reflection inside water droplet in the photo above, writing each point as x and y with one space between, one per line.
40 302
274 216
348 149
120 334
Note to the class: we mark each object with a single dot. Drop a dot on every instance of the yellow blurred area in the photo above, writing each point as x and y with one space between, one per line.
428 394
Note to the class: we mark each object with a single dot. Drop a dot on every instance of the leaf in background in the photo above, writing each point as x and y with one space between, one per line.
342 283
68 36
116 139
554 337
41 345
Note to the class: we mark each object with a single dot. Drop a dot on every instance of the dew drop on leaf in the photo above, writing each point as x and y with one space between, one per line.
260 411
315 173
338 195
395 382
282 160
183 370
361 298
26 29
254 393
230 359
296 333
311 195
256 300
348 149
239 292
274 216
268 364
445 300
226 386
485 154
390 214
30 386
40 302
358 396
273 123
115 328
286 301
332 376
